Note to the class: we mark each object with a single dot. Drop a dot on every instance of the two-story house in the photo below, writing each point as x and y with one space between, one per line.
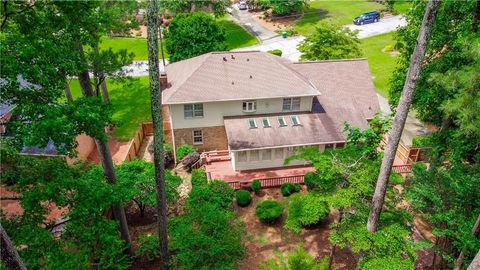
261 107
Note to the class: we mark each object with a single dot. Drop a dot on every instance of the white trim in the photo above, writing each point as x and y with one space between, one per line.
291 145
173 136
237 99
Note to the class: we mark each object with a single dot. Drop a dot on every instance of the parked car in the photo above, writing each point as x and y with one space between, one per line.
368 17
242 5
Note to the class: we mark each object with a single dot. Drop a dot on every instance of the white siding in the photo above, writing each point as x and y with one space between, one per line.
215 111
274 162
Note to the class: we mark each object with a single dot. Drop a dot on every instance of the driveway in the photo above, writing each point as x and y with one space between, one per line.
243 18
289 45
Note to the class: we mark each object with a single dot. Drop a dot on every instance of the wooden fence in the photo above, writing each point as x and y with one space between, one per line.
145 129
270 181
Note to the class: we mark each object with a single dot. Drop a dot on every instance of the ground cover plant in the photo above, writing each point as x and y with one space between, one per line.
305 209
269 211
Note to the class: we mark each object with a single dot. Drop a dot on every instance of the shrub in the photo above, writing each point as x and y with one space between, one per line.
299 259
148 247
311 180
184 150
243 197
256 185
276 52
305 209
199 177
269 211
289 188
215 192
388 48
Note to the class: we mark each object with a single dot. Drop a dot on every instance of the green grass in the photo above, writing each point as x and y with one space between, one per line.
130 101
236 36
401 7
382 64
340 12
136 45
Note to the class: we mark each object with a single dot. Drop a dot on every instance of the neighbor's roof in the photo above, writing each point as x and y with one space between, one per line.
314 128
221 76
348 93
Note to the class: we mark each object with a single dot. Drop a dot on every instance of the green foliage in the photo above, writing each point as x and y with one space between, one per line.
289 188
193 34
276 52
214 234
330 42
296 260
388 48
319 182
256 185
243 197
148 247
305 209
183 150
185 6
269 211
422 141
283 7
199 177
138 177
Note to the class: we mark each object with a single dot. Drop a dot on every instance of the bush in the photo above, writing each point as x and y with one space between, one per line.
199 177
276 52
305 209
388 48
215 192
243 197
148 247
184 150
269 211
289 188
299 259
311 180
256 185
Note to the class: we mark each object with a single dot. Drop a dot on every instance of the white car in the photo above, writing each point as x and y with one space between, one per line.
242 5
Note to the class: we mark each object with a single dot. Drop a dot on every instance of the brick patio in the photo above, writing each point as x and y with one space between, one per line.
223 170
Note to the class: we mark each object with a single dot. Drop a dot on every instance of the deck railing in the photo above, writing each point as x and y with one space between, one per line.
270 181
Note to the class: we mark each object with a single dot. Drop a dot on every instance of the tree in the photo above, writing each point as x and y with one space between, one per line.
156 108
10 257
218 7
193 34
401 114
284 7
330 41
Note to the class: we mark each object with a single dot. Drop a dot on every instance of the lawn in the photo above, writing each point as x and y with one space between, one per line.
382 64
236 36
133 44
130 101
340 12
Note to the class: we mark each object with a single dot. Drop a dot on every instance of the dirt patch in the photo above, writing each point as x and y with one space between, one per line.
263 241
276 24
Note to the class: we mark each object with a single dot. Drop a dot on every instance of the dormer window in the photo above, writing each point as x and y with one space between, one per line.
266 122
252 123
249 106
295 120
281 121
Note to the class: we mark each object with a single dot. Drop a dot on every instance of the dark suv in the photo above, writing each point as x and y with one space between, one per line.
368 17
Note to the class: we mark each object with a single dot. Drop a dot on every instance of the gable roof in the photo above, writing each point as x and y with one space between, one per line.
222 76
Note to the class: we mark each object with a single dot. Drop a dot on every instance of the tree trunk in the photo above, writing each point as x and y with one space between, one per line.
103 85
476 17
475 232
401 115
475 264
107 163
156 108
9 255
68 93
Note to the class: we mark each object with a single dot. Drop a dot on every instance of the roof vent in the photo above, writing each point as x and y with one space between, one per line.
248 59
251 77
233 83
233 57
225 59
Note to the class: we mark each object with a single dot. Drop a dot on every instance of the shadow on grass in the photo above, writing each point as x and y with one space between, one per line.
312 17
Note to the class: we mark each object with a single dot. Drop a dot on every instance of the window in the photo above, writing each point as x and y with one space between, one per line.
193 110
249 106
295 120
254 155
242 156
291 151
291 104
197 137
252 123
267 154
279 153
281 121
266 122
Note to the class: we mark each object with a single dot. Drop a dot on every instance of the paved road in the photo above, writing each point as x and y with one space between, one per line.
289 45
244 18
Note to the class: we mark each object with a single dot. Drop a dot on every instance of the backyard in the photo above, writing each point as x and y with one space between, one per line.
236 37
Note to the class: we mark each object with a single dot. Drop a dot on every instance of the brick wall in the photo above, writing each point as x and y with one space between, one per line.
214 138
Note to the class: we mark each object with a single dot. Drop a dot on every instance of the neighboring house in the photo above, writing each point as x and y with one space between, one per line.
262 107
5 115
